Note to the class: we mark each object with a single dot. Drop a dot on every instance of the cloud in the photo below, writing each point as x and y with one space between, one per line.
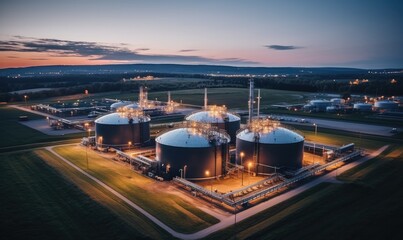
142 49
188 50
98 51
282 47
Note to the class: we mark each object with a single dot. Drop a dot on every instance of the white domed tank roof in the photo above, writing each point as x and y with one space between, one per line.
120 119
132 106
117 105
213 114
189 138
212 117
277 135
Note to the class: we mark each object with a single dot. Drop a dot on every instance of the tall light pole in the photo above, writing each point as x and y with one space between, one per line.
86 155
184 171
313 157
25 98
235 209
242 155
316 129
211 184
86 147
249 165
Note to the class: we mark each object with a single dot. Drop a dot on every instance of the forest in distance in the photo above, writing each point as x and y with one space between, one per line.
338 82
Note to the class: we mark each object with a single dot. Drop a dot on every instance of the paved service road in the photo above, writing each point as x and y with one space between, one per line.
338 125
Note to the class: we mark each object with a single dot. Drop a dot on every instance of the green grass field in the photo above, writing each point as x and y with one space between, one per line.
13 133
367 206
171 209
41 198
351 117
231 97
339 138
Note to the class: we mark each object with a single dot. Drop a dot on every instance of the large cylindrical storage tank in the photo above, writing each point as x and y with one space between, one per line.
386 105
115 106
269 150
121 130
193 152
362 107
218 117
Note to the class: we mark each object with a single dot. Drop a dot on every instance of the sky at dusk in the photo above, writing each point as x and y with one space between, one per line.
309 33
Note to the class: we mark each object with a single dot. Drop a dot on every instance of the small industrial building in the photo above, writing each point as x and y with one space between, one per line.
317 105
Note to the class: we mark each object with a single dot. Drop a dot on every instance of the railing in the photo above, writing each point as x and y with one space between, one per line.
258 184
300 177
320 146
140 159
229 198
301 170
198 188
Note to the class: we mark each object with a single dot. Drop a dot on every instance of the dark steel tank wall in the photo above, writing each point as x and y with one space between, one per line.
288 155
137 133
247 148
197 160
230 127
144 132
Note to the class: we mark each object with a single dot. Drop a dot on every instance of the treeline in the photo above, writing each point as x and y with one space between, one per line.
96 83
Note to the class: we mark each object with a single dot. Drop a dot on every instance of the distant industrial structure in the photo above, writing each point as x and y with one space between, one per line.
366 104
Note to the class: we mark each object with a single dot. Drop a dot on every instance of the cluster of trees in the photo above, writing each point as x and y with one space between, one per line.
95 83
